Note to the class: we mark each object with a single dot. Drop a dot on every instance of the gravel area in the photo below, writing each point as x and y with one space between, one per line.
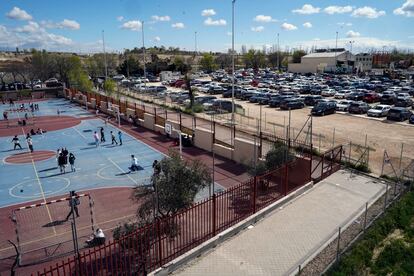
327 256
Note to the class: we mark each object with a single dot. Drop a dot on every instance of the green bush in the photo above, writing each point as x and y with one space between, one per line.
399 216
395 257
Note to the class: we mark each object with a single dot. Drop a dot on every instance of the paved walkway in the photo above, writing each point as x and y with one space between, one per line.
280 242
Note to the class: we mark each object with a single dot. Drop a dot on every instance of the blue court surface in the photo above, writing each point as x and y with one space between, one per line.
96 167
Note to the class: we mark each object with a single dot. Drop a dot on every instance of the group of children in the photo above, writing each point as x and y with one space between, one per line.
63 157
100 137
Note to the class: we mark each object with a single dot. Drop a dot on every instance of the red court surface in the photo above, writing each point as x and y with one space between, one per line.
29 157
111 205
48 123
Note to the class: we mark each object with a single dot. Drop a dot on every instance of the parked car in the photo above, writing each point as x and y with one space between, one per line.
312 100
229 92
324 108
293 103
343 105
388 98
371 97
275 101
358 108
398 114
380 110
328 92
403 102
411 120
355 96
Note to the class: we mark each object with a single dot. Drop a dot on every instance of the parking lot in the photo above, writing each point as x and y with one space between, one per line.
341 127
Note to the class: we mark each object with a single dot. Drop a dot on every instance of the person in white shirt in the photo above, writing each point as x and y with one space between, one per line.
98 238
134 164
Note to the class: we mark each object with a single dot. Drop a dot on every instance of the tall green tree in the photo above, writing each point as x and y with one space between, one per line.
78 77
254 59
297 56
207 62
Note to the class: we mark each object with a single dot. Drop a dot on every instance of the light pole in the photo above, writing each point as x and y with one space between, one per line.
195 43
351 43
143 52
232 54
336 47
103 45
278 54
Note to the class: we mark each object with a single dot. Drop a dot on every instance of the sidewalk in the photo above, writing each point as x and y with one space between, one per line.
286 238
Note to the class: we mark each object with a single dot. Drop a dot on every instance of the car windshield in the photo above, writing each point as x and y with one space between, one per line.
379 107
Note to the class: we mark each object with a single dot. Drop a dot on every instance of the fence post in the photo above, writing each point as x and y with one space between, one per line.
385 197
214 214
338 244
365 216
254 194
158 231
286 179
180 121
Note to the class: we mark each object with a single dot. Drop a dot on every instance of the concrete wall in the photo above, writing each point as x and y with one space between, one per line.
174 126
159 129
103 106
245 151
149 121
203 138
223 151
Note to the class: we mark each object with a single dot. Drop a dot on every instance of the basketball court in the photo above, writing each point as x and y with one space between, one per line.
35 178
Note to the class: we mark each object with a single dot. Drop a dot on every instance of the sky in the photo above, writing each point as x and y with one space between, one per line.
78 26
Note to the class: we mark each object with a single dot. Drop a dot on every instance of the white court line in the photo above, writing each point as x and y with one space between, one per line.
119 168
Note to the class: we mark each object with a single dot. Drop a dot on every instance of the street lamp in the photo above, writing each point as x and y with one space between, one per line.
143 52
232 54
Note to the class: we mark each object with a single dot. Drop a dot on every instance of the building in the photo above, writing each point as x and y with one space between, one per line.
322 61
363 62
381 60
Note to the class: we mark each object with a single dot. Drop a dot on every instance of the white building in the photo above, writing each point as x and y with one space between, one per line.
326 61
363 62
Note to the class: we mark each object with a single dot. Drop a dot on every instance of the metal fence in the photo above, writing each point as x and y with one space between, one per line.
156 244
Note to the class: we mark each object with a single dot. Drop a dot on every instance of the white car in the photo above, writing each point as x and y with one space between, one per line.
343 105
380 110
328 92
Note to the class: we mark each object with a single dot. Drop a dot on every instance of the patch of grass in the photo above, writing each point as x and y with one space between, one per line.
359 258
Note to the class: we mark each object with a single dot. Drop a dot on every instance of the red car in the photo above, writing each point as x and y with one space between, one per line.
371 98
178 83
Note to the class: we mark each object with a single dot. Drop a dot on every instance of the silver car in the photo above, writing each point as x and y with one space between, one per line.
380 110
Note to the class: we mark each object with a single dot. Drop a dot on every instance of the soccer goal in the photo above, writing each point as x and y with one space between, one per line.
48 230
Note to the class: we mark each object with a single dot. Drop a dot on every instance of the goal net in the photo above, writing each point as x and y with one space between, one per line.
46 230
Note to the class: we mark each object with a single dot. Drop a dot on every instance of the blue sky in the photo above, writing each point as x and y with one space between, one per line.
75 25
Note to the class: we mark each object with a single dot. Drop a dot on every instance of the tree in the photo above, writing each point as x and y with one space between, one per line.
179 65
130 66
109 86
275 158
77 75
254 59
173 188
207 63
224 61
274 57
297 56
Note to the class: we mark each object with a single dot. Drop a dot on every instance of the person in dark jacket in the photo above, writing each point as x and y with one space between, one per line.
72 159
61 163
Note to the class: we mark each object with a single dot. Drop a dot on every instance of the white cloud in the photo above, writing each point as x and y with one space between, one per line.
70 24
307 25
161 18
351 34
264 18
208 12
307 9
178 25
368 12
64 24
337 9
407 9
120 18
342 24
361 44
133 25
218 22
19 14
31 27
257 29
288 27
157 39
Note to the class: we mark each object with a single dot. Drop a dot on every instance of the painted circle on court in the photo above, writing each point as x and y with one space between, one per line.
30 188
110 173
27 157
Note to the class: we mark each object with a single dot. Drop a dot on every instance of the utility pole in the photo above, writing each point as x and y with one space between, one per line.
278 54
195 43
336 47
143 51
232 54
106 65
